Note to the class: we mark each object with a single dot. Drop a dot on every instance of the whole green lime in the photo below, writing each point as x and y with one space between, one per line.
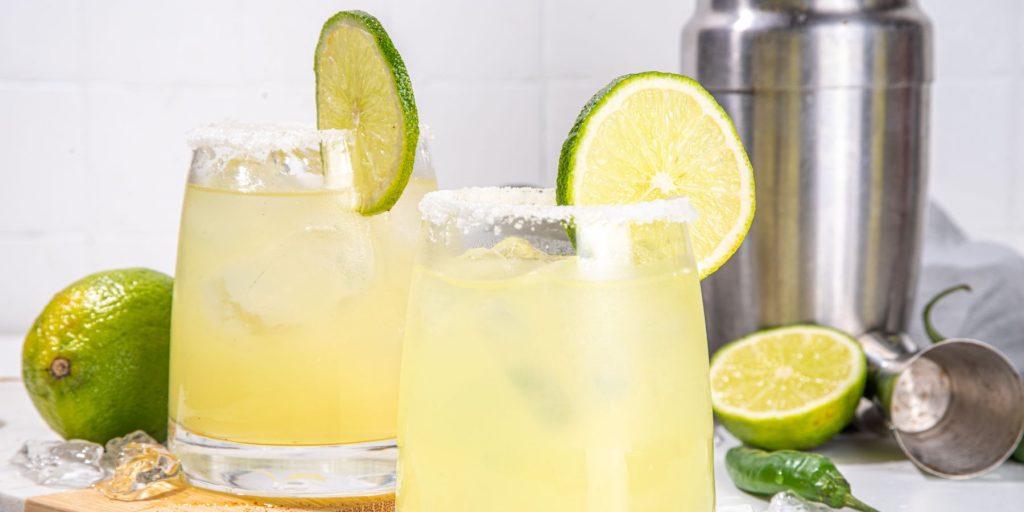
95 361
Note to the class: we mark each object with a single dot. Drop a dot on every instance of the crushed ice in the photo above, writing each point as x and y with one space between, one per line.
118 448
132 467
73 463
143 471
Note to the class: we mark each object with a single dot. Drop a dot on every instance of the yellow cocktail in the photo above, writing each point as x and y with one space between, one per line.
542 374
288 316
288 319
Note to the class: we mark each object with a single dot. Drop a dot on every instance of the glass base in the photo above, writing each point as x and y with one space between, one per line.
342 470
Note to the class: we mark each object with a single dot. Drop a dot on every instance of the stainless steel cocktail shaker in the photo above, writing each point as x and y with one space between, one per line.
831 100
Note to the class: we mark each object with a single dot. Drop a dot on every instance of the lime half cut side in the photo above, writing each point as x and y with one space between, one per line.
789 387
362 86
656 135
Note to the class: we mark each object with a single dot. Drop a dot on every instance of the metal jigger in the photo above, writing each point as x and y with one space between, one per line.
954 407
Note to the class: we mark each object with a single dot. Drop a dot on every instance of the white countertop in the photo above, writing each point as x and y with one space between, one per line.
878 473
18 422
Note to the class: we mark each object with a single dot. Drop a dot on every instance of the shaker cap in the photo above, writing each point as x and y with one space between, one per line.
738 45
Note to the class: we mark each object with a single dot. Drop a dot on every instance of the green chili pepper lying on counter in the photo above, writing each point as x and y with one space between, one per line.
809 475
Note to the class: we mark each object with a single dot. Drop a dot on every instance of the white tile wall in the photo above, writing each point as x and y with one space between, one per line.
95 98
587 39
492 131
41 39
977 117
475 41
42 147
973 149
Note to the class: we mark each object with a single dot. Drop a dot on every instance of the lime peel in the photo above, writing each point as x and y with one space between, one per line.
95 361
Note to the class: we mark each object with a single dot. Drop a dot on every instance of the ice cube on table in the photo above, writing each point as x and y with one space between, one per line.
119 449
73 463
790 502
143 470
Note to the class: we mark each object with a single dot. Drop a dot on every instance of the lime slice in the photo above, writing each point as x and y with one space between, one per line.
658 135
362 85
789 387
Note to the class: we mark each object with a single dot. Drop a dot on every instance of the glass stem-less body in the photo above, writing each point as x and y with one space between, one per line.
288 319
554 384
288 316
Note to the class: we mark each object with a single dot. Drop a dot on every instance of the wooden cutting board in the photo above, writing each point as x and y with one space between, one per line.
191 499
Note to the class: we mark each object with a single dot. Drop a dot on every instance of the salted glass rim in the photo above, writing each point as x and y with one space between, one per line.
259 139
492 205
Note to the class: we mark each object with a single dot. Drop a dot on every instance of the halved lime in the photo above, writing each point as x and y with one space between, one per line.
362 85
789 387
656 135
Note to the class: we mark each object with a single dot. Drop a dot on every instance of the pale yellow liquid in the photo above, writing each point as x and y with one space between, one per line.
554 389
288 316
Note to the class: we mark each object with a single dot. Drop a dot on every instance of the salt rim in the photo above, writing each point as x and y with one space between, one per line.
489 205
258 139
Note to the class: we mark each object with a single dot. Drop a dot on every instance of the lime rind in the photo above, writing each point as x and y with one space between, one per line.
801 427
567 158
112 329
374 202
616 92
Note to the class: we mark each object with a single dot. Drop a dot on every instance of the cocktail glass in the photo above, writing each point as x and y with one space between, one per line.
288 317
555 359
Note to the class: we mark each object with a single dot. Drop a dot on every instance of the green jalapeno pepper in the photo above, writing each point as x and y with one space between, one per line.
929 328
809 475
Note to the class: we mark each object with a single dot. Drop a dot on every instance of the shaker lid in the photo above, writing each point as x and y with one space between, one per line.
756 44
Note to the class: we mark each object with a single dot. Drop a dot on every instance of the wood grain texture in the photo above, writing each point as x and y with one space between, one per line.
197 500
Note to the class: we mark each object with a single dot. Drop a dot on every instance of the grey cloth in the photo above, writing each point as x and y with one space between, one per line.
992 310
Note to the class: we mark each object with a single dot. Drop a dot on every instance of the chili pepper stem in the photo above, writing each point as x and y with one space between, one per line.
929 327
856 504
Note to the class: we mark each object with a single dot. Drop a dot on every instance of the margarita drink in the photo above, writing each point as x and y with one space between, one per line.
541 377
288 316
